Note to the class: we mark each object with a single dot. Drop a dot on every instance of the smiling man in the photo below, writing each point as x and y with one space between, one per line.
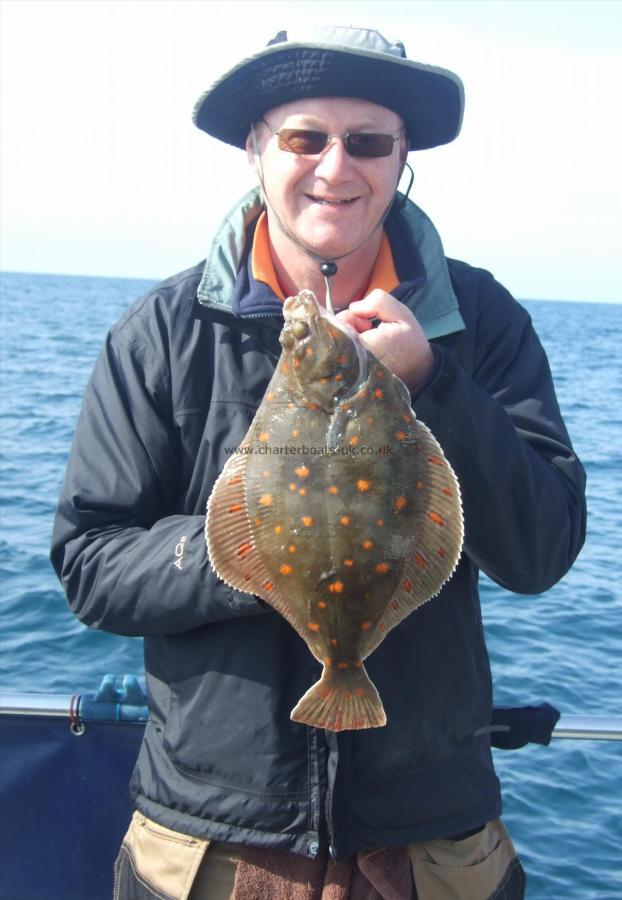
234 799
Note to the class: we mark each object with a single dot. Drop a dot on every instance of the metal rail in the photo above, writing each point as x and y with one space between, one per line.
589 728
584 728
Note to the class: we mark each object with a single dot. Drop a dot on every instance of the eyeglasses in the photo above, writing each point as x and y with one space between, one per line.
311 143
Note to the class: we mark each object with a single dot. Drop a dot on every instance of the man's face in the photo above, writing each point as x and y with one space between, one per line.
331 202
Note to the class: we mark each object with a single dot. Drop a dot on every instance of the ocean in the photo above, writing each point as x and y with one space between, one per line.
563 802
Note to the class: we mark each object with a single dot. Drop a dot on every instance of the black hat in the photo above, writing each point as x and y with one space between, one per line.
334 62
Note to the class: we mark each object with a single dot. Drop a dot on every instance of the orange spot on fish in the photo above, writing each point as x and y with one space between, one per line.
312 406
341 359
379 521
295 432
266 473
278 529
313 626
344 520
435 460
382 627
235 479
353 441
367 544
302 472
382 568
343 665
258 521
323 380
333 489
263 437
336 587
235 507
334 642
292 548
407 584
309 351
244 549
307 521
265 500
269 396
441 552
285 569
327 661
447 492
296 363
338 377
400 435
292 485
395 604
420 485
434 517
378 394
348 562
267 585
405 417
303 491
326 693
322 604
363 485
365 626
400 503
420 561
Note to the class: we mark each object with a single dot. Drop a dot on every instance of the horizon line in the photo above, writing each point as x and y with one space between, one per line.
158 280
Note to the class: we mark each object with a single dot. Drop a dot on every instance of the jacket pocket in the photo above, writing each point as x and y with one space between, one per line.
156 862
483 866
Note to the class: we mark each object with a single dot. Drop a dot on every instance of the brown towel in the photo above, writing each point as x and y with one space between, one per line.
280 875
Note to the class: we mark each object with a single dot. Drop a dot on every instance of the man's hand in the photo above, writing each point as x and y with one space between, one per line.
398 341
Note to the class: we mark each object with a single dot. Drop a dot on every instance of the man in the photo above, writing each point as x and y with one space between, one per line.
231 795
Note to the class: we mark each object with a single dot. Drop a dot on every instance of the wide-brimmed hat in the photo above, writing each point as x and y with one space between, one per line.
334 62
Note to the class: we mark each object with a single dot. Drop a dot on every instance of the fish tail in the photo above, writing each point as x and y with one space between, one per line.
343 699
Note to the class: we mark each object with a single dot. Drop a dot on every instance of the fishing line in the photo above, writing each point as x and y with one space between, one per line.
328 267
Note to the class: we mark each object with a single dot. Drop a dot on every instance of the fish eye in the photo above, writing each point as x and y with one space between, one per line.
300 328
286 339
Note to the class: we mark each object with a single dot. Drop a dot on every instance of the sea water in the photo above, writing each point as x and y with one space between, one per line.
562 803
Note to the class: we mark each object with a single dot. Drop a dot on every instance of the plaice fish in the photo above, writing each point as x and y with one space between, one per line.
339 509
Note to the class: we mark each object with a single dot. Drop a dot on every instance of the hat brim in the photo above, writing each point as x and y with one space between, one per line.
428 99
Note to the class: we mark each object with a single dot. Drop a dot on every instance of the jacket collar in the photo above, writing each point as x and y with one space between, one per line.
420 261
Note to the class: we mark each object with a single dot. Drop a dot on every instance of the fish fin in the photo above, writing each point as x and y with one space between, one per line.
228 532
230 544
342 700
439 532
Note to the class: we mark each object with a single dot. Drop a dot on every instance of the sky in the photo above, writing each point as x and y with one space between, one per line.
103 173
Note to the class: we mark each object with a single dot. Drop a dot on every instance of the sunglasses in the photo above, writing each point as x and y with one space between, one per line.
361 144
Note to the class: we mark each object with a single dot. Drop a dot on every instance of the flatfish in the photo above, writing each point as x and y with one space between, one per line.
338 509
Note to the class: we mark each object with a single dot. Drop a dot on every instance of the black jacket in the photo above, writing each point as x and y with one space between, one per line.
173 392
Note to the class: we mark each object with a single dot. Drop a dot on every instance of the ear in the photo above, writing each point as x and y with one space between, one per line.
403 152
250 151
